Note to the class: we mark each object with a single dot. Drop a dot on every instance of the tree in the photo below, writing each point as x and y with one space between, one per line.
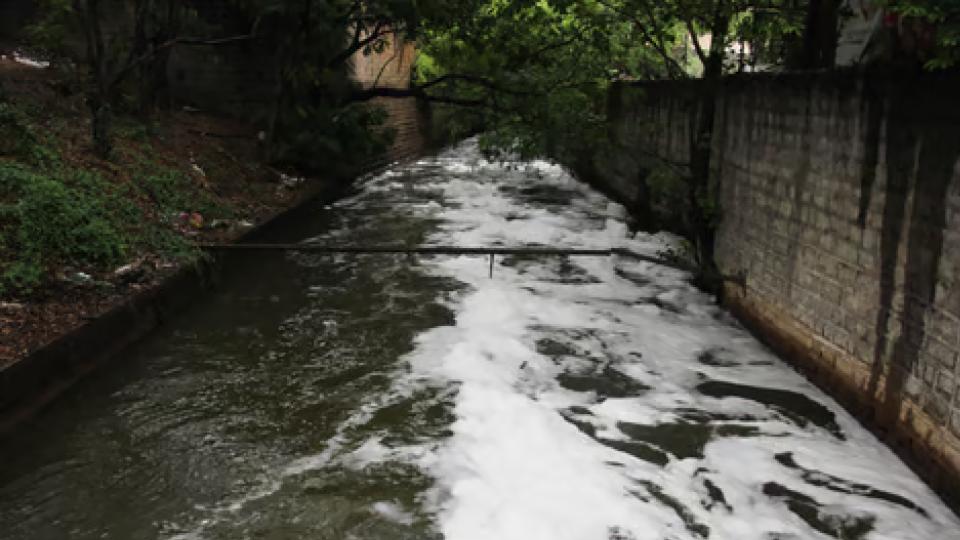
122 39
532 73
535 73
671 29
313 43
933 26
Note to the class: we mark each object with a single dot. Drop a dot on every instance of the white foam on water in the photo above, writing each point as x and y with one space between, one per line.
530 458
515 468
393 512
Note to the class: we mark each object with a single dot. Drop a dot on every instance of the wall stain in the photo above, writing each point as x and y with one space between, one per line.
871 109
920 155
800 179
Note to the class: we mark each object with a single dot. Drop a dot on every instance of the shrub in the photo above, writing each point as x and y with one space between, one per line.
45 222
18 140
173 191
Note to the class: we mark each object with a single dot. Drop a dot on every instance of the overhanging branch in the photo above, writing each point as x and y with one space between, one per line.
416 92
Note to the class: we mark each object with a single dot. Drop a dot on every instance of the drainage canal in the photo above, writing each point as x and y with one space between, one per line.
397 396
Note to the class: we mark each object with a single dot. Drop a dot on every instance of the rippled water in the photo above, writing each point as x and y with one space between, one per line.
395 397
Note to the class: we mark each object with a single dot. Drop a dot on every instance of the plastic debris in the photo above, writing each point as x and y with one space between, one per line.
11 306
130 273
79 278
29 62
291 182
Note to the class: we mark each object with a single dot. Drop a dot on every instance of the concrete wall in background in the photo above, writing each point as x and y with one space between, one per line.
840 200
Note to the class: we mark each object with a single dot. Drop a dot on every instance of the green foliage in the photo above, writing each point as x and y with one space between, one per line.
311 122
19 140
54 216
53 25
939 17
536 71
173 191
667 187
319 138
62 216
771 33
47 222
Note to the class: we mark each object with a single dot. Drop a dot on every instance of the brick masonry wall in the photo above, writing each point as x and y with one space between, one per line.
391 68
840 200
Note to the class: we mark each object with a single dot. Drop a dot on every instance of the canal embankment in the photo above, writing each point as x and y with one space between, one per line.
838 198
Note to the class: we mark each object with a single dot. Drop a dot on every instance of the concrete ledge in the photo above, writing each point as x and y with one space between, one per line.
928 448
29 384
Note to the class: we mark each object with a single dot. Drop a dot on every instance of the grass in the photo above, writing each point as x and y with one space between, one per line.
58 214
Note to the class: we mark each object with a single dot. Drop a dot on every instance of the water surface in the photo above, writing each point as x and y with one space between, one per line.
396 397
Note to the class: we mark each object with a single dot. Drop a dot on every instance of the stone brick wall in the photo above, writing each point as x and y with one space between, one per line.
408 119
840 200
649 129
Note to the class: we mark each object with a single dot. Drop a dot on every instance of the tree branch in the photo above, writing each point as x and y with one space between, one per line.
357 44
477 80
133 62
657 44
696 42
688 20
415 92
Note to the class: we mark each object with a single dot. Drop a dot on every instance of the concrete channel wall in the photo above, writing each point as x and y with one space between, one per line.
839 195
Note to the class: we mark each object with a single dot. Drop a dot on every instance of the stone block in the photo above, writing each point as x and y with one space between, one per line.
944 327
946 385
944 355
928 372
955 422
937 408
914 388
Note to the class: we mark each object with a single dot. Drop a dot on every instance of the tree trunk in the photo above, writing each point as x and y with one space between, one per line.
154 85
100 120
276 107
820 34
699 192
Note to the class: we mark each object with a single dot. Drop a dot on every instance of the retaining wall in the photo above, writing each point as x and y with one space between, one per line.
840 202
